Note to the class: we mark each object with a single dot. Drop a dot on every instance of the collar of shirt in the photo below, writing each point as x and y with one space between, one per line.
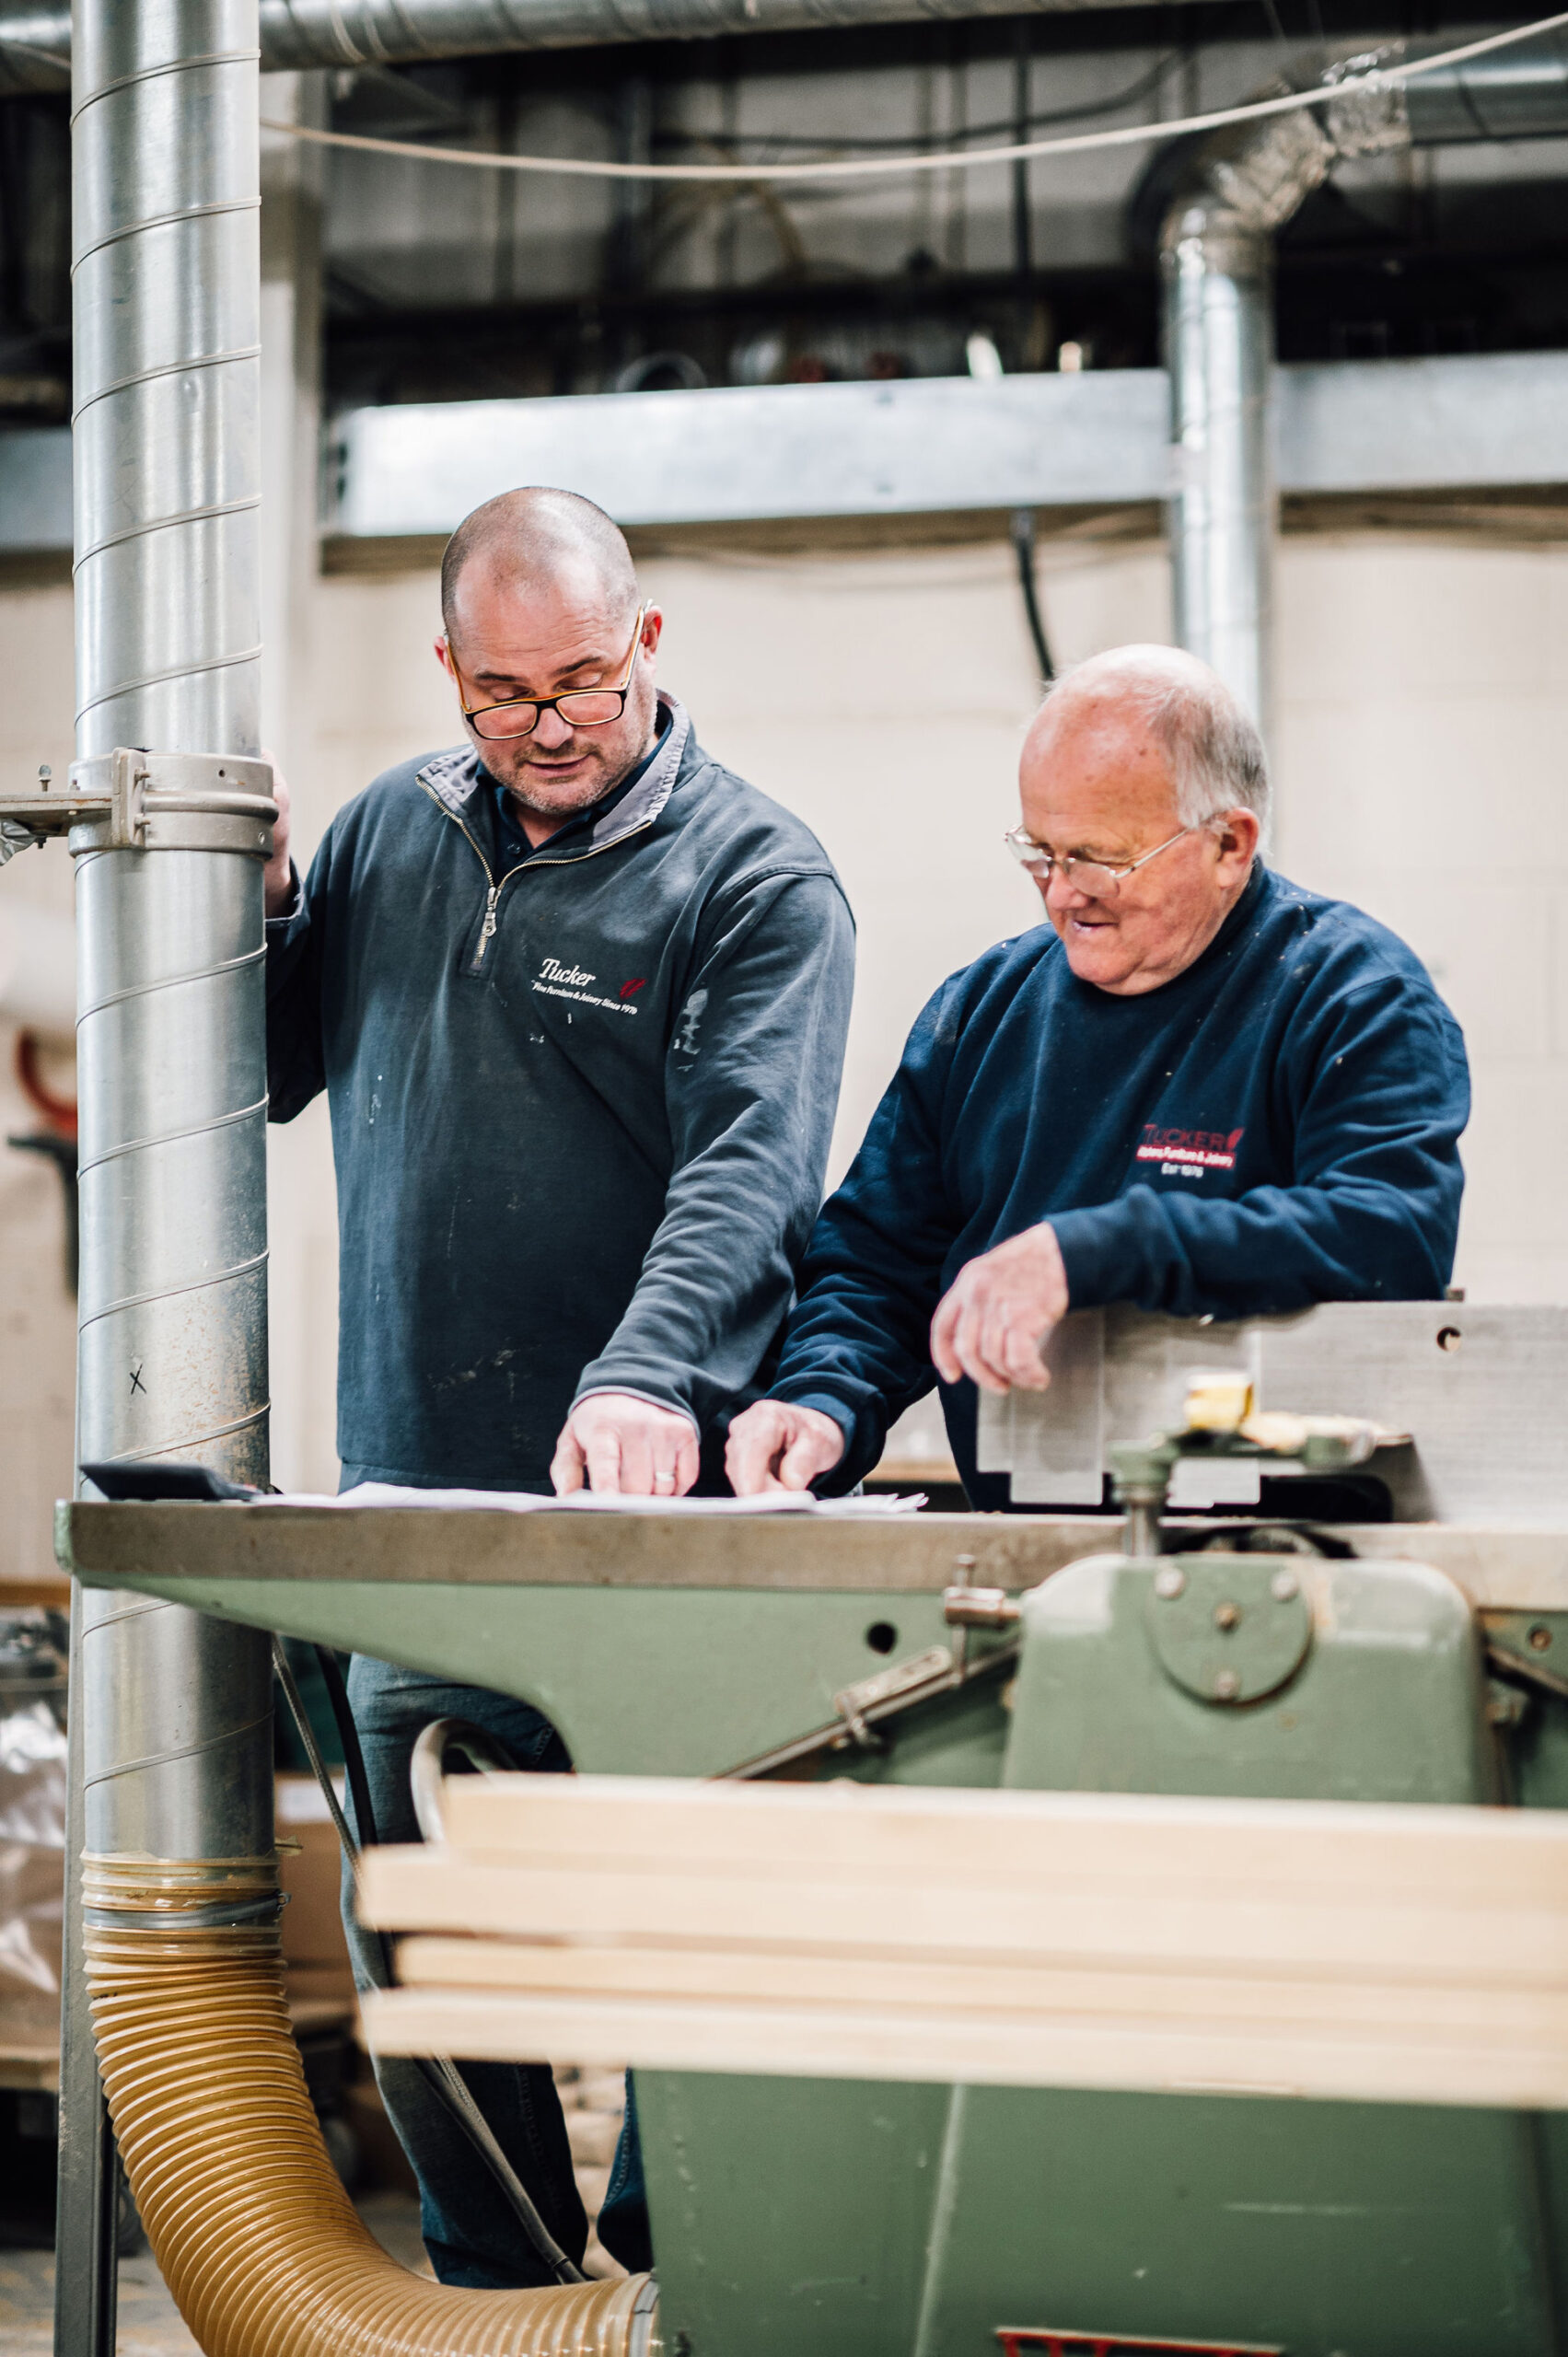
512 847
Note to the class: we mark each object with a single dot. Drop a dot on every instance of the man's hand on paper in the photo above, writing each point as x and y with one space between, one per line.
614 1441
774 1445
996 1320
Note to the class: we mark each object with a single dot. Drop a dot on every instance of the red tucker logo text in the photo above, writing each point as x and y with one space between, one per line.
1193 1149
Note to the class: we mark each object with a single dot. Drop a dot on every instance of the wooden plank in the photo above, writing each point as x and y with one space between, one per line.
1396 2005
1113 1919
893 1834
1068 1876
819 2042
1322 1949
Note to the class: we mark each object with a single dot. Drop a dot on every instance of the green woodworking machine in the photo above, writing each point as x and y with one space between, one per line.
1373 1609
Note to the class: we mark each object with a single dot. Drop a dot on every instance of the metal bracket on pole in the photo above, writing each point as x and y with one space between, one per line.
129 800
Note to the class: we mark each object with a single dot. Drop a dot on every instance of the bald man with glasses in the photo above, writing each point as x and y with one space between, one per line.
577 996
1195 1088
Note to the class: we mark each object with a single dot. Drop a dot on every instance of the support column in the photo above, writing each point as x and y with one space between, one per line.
172 1712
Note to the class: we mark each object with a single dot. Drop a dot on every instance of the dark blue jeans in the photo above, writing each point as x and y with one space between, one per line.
470 2231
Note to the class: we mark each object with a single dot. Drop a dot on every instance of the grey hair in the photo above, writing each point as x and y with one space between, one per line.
1206 732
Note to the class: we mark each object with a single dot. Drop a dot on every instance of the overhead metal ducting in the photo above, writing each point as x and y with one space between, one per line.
35 41
1519 93
1515 95
1220 201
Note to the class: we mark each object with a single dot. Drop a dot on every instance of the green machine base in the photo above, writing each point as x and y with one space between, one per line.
1325 2229
796 2218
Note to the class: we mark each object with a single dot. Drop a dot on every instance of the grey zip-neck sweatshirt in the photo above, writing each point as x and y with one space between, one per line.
580 1110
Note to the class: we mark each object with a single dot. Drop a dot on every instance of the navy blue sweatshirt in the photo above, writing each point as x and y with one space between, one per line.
1275 1127
581 1104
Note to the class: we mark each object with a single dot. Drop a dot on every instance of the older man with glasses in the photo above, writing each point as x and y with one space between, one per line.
1196 1088
577 996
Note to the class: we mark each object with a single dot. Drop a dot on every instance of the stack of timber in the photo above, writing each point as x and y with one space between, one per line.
1026 1939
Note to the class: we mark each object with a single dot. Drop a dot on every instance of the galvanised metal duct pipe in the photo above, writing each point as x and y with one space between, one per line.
35 35
172 1712
1230 197
171 1060
1519 93
1231 193
1218 301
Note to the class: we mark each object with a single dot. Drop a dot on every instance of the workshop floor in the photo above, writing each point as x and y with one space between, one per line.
149 2322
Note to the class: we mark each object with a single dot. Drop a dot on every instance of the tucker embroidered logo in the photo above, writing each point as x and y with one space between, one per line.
1191 1149
557 981
629 989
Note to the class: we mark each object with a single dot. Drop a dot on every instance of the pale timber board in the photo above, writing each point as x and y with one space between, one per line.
952 2046
1483 1857
1108 1917
1404 2006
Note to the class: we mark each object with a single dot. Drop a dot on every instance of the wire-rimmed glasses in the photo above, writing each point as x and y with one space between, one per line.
1099 877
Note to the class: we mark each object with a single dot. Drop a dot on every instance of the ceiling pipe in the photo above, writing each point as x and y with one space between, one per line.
35 35
1516 95
1220 200
1520 93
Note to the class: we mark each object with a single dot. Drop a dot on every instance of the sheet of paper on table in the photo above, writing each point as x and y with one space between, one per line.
387 1494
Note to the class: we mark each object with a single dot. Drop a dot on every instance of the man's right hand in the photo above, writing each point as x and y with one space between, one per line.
774 1446
277 877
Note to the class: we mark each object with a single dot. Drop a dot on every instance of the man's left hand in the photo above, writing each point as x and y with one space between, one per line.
994 1322
614 1441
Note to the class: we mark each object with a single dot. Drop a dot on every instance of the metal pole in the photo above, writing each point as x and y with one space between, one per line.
1223 502
173 1711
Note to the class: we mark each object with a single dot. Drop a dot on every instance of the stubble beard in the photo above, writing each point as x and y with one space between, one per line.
576 793
601 776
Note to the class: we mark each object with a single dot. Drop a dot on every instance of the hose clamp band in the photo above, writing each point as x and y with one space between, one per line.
132 800
238 1913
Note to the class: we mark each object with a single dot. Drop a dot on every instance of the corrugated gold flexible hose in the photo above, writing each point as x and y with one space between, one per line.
256 2238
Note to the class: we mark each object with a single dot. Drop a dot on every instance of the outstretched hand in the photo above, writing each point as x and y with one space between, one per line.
994 1322
614 1441
774 1445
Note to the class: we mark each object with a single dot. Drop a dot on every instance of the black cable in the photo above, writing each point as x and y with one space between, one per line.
1024 549
283 1672
348 1737
440 2075
1023 70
